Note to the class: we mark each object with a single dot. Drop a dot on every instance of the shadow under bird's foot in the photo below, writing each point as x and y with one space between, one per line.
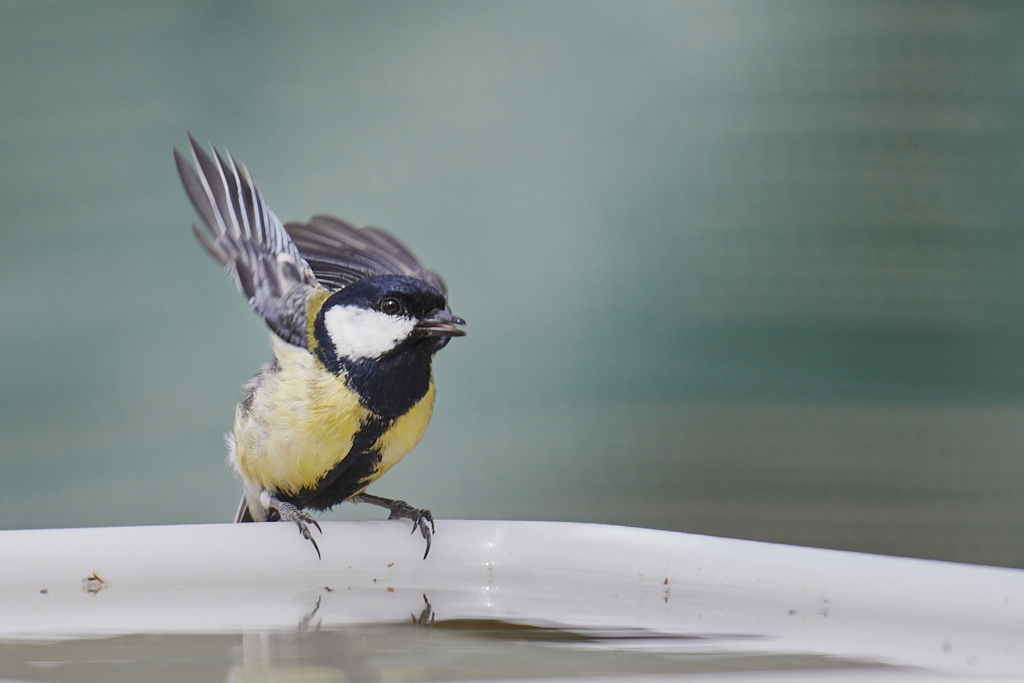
290 513
421 519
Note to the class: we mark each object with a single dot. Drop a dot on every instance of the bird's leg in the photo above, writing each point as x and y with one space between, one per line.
290 513
402 510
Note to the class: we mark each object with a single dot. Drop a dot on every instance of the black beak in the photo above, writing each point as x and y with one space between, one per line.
441 324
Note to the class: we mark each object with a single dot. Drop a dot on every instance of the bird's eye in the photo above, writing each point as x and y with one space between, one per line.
390 306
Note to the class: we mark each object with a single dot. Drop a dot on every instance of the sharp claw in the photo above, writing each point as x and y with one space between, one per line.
402 510
308 536
288 512
421 524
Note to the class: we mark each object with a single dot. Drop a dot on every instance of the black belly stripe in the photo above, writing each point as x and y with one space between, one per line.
349 476
388 387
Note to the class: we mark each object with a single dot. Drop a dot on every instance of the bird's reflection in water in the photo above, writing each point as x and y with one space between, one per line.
428 648
311 653
422 646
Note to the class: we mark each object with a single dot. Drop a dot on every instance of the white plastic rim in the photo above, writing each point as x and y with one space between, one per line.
730 595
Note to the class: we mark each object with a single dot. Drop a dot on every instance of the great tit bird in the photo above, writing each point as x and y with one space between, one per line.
355 322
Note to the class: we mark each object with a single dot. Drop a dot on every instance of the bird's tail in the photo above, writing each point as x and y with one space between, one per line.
243 514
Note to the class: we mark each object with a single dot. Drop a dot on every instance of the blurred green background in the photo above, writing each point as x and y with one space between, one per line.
741 268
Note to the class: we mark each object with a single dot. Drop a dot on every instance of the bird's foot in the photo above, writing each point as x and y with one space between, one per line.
287 512
421 519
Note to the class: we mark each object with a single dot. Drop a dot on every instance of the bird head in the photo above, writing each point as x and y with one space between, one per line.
383 315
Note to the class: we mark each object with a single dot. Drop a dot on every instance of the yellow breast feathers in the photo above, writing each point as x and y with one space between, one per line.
299 425
302 421
405 433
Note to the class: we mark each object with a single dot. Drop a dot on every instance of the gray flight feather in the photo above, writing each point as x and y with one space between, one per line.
340 254
249 241
278 267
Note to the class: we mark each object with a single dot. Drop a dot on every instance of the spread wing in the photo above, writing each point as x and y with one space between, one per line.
249 241
340 254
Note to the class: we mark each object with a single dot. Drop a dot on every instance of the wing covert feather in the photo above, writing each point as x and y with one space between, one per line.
340 254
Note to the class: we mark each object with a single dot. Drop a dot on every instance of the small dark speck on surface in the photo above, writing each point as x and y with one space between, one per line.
44 591
93 584
328 589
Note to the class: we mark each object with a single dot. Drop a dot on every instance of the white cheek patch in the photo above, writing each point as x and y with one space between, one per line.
360 333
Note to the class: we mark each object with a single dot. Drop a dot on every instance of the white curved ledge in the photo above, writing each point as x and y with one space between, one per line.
734 595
